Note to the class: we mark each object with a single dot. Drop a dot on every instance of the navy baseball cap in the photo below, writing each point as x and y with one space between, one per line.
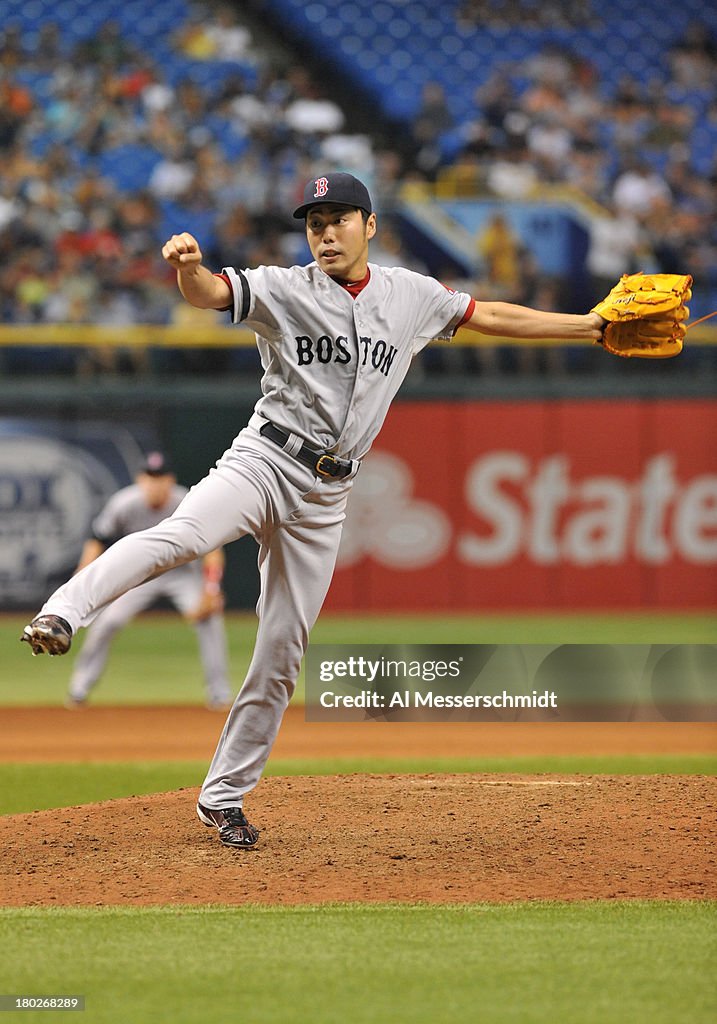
156 464
339 188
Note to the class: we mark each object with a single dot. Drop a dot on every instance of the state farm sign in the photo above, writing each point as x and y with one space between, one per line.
536 504
593 521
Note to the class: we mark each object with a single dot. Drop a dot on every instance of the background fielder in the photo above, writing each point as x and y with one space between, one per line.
193 589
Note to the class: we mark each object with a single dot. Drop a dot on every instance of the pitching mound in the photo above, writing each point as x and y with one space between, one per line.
432 838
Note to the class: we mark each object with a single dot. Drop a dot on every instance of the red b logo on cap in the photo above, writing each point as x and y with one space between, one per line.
322 187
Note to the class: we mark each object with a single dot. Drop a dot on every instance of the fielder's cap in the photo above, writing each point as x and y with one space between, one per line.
339 188
156 464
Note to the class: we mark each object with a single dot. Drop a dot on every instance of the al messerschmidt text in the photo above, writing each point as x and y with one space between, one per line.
429 699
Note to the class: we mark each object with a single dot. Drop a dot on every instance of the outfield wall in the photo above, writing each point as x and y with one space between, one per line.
519 500
567 504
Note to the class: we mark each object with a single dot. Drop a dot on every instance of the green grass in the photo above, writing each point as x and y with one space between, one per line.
528 628
540 963
155 661
34 787
37 787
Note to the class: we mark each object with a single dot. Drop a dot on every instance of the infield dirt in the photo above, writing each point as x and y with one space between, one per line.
432 838
439 838
127 733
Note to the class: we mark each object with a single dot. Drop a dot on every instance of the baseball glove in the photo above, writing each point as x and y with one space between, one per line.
646 314
211 603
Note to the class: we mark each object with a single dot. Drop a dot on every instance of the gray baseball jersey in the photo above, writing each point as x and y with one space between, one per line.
127 511
332 363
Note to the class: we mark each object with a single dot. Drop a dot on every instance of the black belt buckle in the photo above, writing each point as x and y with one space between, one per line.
331 469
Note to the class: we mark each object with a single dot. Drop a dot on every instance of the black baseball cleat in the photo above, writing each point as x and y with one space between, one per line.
48 634
234 829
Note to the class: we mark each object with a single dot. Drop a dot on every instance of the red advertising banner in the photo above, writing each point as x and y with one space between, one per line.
530 505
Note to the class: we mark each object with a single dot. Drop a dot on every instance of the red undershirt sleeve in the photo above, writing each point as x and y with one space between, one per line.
225 309
468 313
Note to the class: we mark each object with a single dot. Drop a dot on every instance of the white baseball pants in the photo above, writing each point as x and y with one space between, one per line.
296 518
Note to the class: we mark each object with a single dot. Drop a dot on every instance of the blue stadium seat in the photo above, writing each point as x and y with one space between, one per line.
129 166
704 149
233 146
389 49
368 60
432 46
200 223
352 45
316 13
383 46
699 99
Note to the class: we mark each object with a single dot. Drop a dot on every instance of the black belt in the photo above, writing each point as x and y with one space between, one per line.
322 463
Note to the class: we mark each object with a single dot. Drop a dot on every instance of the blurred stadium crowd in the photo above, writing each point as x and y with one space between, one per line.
115 133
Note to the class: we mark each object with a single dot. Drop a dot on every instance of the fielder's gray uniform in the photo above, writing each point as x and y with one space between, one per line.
332 365
127 512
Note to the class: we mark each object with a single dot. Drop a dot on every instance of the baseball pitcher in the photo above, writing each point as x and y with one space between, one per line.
336 340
